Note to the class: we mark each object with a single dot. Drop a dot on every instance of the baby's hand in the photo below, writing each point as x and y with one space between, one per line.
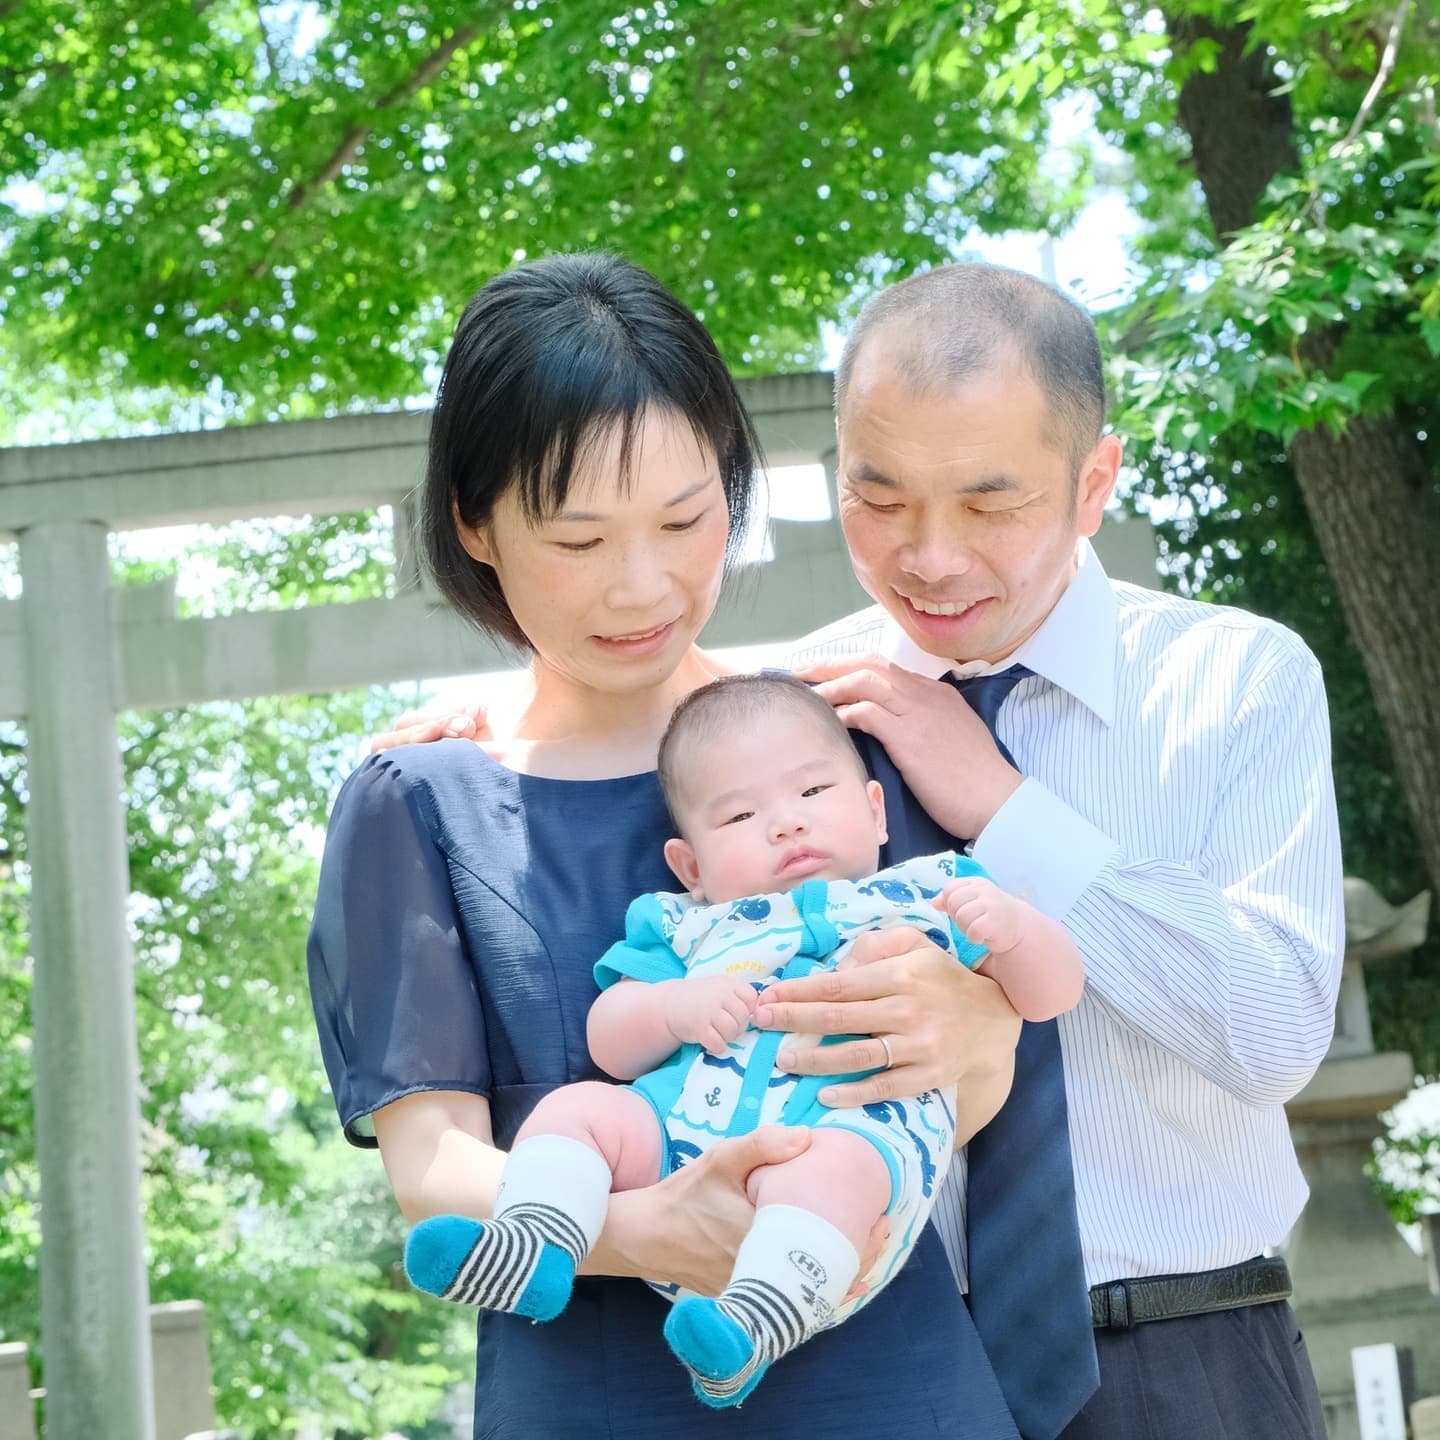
710 1010
984 913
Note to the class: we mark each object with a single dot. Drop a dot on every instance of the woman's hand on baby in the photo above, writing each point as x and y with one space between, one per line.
984 913
465 721
687 1229
944 1024
710 1010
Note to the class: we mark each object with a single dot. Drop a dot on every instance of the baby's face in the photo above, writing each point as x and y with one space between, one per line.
777 804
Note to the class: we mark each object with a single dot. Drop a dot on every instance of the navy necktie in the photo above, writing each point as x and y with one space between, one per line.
1027 1281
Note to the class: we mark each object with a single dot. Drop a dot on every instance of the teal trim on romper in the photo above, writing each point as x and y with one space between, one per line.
819 939
821 936
644 954
660 1089
967 952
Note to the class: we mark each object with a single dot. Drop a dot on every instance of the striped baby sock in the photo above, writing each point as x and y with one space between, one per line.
549 1212
792 1270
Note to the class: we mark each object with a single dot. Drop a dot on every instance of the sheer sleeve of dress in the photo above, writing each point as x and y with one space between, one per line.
391 979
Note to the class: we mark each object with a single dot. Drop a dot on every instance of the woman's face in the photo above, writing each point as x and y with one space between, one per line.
612 590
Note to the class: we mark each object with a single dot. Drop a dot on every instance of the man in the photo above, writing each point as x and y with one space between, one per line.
1170 802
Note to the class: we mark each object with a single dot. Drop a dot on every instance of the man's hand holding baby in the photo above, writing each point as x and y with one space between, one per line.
710 1011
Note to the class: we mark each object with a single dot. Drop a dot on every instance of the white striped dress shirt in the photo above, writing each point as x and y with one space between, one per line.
1178 817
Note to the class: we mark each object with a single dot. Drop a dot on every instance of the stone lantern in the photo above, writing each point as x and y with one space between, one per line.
1356 1280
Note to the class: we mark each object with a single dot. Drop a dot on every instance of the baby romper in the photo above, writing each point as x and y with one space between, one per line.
700 1098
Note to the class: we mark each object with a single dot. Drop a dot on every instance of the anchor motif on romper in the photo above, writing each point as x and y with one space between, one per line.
713 1098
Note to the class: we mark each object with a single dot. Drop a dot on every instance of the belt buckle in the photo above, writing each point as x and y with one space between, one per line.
1117 1303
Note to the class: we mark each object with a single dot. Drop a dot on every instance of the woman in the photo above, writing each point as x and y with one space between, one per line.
590 466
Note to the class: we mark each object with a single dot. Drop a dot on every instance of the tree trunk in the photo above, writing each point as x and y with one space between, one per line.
1369 492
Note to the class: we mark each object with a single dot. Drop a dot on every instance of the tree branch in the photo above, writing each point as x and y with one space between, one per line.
301 195
1382 75
357 134
1315 205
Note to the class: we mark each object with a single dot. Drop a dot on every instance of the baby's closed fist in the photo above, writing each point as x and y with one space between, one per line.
711 1010
984 913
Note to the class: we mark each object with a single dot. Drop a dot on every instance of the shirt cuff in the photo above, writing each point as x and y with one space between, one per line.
1043 852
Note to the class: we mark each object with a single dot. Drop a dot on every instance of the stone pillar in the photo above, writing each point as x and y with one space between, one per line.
93 1312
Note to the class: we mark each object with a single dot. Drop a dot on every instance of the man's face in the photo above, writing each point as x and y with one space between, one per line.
960 510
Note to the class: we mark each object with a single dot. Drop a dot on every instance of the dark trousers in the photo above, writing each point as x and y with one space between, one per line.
1234 1375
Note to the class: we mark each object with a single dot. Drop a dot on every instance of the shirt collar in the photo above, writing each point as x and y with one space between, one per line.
1074 648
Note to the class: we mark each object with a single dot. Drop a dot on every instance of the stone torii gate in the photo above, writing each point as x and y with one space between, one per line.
74 652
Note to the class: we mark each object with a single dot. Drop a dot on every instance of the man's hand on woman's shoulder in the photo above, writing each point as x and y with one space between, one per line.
937 742
441 721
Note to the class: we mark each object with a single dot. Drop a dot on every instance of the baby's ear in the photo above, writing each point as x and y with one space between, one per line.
680 857
877 807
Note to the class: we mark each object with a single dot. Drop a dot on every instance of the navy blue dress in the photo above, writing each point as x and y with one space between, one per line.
461 911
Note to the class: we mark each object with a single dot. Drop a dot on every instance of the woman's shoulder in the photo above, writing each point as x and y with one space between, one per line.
460 794
436 784
437 765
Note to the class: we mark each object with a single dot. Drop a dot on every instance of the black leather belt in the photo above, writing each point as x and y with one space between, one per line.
1121 1304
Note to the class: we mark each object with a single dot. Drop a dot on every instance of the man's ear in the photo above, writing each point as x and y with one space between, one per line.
1098 473
877 808
680 857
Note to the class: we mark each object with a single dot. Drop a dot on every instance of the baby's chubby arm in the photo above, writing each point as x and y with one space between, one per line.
636 1024
1032 957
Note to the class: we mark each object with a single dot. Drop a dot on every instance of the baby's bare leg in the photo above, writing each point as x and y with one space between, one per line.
580 1143
840 1178
616 1123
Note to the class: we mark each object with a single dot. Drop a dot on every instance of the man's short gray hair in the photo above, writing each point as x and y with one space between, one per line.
960 322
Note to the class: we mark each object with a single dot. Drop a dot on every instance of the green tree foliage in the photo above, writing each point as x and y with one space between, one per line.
224 202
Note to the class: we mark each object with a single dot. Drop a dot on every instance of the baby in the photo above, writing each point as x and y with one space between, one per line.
780 833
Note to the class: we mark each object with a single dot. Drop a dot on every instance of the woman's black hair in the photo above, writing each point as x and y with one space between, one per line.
547 360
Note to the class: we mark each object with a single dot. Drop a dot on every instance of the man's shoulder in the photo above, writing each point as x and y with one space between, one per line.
856 634
1154 622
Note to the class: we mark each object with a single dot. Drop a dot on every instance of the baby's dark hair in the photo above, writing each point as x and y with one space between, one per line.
713 709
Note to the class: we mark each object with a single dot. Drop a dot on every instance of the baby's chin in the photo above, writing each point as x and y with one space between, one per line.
773 885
